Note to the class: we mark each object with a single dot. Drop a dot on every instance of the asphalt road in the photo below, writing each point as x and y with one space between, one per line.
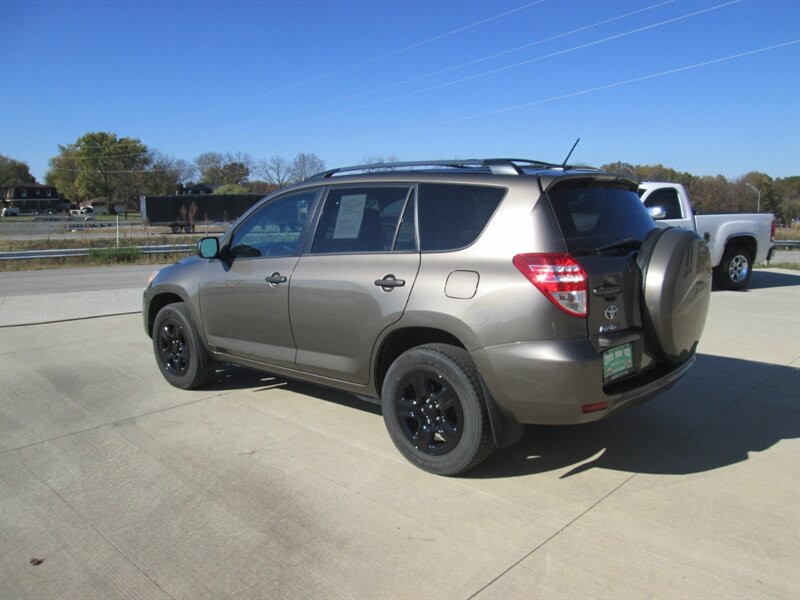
61 281
124 487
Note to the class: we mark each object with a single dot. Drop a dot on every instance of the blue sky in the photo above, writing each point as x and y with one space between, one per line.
416 79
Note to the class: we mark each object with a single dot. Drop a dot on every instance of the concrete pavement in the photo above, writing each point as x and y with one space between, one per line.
260 488
28 297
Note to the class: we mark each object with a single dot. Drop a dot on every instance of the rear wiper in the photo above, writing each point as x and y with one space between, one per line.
626 243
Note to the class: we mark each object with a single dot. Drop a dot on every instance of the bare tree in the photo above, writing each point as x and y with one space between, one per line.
305 165
276 170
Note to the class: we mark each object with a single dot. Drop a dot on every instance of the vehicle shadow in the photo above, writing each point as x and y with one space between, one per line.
690 429
683 431
770 279
234 377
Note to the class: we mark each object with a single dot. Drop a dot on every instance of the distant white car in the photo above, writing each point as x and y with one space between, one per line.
10 211
81 213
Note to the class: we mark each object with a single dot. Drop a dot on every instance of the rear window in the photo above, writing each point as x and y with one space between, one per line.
453 216
593 214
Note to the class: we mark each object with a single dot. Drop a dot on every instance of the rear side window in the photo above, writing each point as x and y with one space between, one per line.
362 219
453 216
594 214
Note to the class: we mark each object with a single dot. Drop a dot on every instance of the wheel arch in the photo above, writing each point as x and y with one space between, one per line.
505 429
405 338
748 241
158 302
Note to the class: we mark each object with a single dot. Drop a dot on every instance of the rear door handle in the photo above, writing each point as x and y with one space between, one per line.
389 282
607 290
275 279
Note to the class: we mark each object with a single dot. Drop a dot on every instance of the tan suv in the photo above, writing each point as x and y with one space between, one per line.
467 297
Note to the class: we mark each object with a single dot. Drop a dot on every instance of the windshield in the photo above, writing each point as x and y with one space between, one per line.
595 214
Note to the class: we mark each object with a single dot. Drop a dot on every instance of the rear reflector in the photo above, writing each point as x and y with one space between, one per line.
588 408
560 278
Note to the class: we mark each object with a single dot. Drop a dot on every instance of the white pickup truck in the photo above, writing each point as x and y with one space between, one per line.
736 241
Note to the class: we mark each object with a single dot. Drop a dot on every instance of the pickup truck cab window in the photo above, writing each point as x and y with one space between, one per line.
666 198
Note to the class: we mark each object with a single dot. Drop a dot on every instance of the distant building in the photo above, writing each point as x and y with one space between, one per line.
32 198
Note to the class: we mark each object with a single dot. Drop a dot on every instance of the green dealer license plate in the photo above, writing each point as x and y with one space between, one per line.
617 362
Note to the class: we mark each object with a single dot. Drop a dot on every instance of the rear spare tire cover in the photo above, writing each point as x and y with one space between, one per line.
676 291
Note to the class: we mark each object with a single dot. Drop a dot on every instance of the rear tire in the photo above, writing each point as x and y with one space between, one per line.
435 411
735 269
177 348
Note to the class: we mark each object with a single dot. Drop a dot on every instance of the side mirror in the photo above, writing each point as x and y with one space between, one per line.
657 212
208 247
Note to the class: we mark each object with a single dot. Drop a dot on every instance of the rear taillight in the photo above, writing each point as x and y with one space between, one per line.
772 230
560 278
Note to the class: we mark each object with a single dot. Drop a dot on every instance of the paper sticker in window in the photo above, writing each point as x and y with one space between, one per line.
348 221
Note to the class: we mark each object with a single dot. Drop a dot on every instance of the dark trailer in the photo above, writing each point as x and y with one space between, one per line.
186 211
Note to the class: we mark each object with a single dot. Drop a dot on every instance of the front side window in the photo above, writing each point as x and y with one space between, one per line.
275 229
365 219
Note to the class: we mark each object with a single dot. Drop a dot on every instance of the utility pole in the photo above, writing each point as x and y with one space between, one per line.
757 191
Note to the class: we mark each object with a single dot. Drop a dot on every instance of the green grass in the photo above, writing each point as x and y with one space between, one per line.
105 256
90 242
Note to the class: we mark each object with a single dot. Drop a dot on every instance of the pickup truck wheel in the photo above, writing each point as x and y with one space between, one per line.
734 270
177 347
434 409
175 228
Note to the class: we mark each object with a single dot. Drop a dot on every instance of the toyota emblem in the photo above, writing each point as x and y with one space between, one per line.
611 312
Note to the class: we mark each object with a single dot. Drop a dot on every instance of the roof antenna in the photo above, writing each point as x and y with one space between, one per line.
570 153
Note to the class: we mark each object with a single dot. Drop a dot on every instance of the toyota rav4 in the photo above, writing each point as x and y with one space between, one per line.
467 297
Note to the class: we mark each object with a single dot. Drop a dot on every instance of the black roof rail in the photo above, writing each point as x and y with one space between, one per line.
496 166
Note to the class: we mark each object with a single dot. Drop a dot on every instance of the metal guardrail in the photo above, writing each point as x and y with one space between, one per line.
54 253
169 249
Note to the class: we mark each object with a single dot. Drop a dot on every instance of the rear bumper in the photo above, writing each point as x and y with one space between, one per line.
550 382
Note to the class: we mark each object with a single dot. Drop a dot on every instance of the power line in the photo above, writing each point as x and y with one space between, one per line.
588 90
516 65
355 65
482 59
531 60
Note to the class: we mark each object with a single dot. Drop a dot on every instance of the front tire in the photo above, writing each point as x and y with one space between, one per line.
177 348
435 410
735 268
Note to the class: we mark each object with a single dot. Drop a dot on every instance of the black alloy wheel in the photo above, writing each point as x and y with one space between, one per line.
429 412
434 409
181 356
173 351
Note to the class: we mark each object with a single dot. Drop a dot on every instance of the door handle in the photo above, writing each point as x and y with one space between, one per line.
389 282
275 279
607 290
